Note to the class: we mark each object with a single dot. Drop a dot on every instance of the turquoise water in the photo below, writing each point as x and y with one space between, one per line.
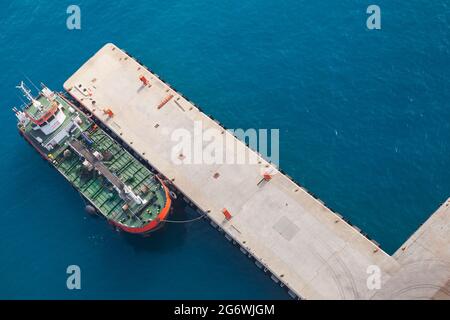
363 118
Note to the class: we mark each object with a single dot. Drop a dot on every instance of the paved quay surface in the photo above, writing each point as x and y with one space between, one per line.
425 262
306 246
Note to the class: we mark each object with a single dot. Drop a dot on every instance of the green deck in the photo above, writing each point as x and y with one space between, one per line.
98 190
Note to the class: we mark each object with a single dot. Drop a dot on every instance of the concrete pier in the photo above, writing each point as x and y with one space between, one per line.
303 244
424 260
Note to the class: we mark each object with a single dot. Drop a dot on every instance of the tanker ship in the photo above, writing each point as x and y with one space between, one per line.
115 184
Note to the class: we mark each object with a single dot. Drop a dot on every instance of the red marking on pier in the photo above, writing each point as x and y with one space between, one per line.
166 99
227 214
108 112
144 80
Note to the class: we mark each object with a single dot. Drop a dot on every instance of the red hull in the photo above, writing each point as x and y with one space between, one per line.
153 225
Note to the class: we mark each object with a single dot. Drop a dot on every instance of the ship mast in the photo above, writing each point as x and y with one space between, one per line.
27 94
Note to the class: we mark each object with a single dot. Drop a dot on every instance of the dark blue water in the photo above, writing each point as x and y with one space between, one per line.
363 118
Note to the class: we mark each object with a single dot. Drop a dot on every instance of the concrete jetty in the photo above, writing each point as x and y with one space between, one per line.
305 246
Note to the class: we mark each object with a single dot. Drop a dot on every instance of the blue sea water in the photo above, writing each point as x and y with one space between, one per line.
363 118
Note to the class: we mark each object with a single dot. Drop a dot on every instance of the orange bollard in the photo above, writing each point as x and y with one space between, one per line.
108 112
227 214
144 80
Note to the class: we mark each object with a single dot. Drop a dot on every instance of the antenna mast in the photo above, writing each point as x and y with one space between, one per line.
27 94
